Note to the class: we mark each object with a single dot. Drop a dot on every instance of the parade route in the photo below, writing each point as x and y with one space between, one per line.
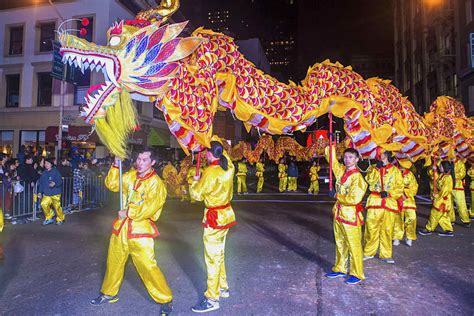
277 255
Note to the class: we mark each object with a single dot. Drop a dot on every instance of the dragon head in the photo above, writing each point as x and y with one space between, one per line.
140 60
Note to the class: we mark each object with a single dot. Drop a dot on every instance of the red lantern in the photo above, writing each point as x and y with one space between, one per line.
83 32
85 21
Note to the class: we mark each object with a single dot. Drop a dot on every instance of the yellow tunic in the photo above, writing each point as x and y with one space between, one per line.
406 222
442 204
283 176
382 212
260 168
350 190
459 194
314 184
241 177
143 199
215 188
471 187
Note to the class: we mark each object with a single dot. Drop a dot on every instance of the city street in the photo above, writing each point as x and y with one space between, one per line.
276 258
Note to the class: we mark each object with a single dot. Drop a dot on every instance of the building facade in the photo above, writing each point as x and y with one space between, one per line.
464 17
30 98
425 50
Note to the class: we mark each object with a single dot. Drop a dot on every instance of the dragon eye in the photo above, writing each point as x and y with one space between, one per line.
114 40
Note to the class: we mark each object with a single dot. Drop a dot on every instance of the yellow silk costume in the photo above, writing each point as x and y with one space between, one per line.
313 173
348 219
381 212
406 222
215 189
459 195
190 179
442 204
242 177
1 220
283 176
143 199
259 169
471 188
48 203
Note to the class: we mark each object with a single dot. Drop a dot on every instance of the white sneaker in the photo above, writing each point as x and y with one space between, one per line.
409 242
224 293
368 257
396 242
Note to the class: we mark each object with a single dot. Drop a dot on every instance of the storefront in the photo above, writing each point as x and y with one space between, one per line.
6 142
80 137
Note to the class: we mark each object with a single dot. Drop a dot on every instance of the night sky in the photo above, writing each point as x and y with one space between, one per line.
334 29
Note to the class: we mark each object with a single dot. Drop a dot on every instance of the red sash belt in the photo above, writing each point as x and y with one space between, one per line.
384 206
359 208
211 216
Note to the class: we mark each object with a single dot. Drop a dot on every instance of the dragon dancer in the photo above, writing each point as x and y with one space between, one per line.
459 196
215 188
348 219
259 170
242 177
442 202
282 176
471 188
133 231
313 173
406 222
386 187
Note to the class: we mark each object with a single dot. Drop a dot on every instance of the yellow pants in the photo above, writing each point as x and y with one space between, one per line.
348 247
143 255
459 199
441 218
471 211
379 233
241 184
405 224
292 184
314 187
283 183
260 184
214 251
50 202
1 219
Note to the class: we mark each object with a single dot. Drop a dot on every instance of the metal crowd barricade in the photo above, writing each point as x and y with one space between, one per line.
25 206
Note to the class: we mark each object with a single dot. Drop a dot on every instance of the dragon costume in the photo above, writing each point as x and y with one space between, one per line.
190 78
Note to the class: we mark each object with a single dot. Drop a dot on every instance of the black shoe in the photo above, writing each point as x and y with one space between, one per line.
446 234
102 299
466 225
206 305
425 232
166 308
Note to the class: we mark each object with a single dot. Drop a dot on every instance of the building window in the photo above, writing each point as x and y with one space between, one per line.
13 90
6 142
16 41
89 28
34 140
45 91
46 36
83 81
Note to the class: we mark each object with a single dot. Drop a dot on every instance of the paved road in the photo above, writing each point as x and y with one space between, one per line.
276 258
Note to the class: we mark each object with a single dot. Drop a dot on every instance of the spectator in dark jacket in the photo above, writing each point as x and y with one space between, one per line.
65 169
27 171
50 185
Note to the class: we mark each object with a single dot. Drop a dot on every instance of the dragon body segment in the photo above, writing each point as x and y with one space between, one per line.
191 78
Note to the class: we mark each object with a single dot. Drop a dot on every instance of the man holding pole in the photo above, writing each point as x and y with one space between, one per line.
143 195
